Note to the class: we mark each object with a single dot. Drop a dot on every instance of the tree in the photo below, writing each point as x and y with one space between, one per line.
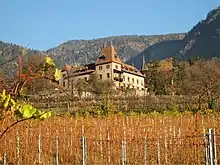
99 87
202 80
158 81
81 86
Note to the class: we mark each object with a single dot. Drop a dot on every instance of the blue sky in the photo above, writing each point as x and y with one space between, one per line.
44 24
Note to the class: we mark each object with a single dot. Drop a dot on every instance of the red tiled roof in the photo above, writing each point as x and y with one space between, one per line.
131 69
81 72
108 54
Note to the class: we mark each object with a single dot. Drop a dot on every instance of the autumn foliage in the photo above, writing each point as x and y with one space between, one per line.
167 139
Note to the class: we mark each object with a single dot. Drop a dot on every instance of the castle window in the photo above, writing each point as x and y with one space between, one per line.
107 66
102 57
128 79
137 81
100 67
132 80
116 66
100 76
108 75
123 77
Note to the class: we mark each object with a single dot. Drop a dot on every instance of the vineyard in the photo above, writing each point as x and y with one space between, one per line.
127 105
114 139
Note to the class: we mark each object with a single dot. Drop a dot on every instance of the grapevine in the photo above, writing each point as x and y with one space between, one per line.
12 107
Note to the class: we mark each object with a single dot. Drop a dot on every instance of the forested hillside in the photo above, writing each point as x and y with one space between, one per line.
86 51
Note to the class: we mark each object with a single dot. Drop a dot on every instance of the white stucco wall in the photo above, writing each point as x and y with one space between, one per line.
133 81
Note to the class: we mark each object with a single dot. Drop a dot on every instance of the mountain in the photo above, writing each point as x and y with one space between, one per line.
203 39
157 51
81 51
86 51
8 54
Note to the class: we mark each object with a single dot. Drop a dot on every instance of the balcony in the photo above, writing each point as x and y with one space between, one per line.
117 71
118 79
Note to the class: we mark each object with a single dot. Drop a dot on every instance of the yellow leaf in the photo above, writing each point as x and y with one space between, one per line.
3 95
7 101
49 61
57 74
3 92
13 102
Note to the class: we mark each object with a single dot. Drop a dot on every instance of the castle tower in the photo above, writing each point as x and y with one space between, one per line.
108 54
143 66
108 64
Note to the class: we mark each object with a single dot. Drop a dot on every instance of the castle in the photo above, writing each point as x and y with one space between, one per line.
108 66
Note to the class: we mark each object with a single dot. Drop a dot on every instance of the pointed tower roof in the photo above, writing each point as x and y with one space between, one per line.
108 54
143 67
